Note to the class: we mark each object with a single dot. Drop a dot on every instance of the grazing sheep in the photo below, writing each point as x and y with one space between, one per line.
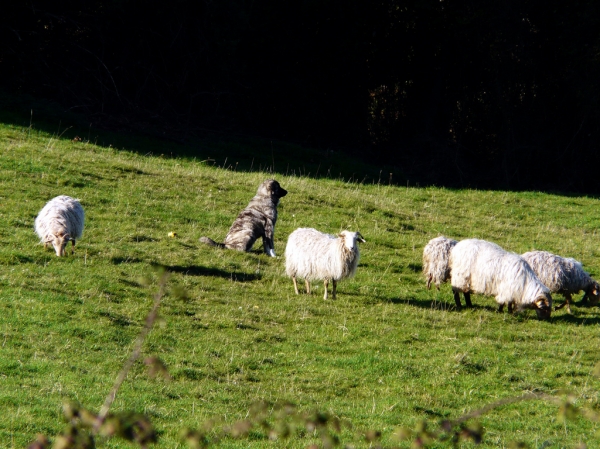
483 267
435 260
563 275
313 255
436 268
60 220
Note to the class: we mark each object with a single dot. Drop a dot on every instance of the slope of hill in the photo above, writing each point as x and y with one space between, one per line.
385 355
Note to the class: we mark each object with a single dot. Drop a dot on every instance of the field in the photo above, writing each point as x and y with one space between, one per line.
388 354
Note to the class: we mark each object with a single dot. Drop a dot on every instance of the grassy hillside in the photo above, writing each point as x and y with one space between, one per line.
387 354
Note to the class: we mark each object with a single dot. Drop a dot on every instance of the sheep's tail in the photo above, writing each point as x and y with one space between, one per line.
211 242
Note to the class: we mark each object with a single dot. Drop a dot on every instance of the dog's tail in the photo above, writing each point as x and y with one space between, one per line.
211 242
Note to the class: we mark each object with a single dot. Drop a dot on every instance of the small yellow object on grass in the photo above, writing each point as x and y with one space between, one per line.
172 234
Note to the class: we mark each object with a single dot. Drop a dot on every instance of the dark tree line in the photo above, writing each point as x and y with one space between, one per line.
498 94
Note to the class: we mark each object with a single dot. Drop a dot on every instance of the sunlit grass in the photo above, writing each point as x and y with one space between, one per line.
386 354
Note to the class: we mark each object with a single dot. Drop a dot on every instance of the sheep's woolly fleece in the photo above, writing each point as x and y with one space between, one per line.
60 220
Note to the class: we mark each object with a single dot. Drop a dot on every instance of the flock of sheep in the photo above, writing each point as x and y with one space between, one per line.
521 282
471 265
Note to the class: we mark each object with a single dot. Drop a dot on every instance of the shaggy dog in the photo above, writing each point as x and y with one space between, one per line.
256 220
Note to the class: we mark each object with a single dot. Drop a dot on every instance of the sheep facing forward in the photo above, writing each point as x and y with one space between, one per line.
60 221
483 267
313 255
563 275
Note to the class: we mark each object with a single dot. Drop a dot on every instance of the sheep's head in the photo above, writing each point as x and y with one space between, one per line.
593 293
543 306
350 238
59 242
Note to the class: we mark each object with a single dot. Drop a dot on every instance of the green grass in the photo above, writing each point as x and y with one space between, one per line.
386 354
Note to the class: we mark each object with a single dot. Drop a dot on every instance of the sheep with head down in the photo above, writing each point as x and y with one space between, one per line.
436 266
478 266
60 221
436 255
563 275
313 255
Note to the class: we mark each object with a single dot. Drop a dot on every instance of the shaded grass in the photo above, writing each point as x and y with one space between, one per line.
387 353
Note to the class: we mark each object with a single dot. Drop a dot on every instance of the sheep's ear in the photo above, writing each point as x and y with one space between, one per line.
360 238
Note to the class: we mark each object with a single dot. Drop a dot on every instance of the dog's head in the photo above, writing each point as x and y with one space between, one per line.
271 188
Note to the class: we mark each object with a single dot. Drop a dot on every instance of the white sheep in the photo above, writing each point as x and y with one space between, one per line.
60 221
435 260
313 255
563 275
483 267
436 268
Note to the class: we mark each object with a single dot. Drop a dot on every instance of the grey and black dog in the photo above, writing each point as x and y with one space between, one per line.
256 220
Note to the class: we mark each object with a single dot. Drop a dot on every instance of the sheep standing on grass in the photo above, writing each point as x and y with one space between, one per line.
436 267
60 221
563 275
313 255
483 267
436 255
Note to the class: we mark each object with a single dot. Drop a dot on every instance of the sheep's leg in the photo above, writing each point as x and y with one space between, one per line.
566 303
326 283
511 307
334 288
500 308
457 298
295 285
307 284
468 299
72 246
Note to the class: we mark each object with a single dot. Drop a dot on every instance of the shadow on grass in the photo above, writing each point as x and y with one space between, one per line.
241 151
120 260
116 319
131 283
196 270
225 150
451 306
574 319
437 304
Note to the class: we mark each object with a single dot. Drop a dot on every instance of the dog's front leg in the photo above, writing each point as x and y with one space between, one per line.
268 243
269 247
